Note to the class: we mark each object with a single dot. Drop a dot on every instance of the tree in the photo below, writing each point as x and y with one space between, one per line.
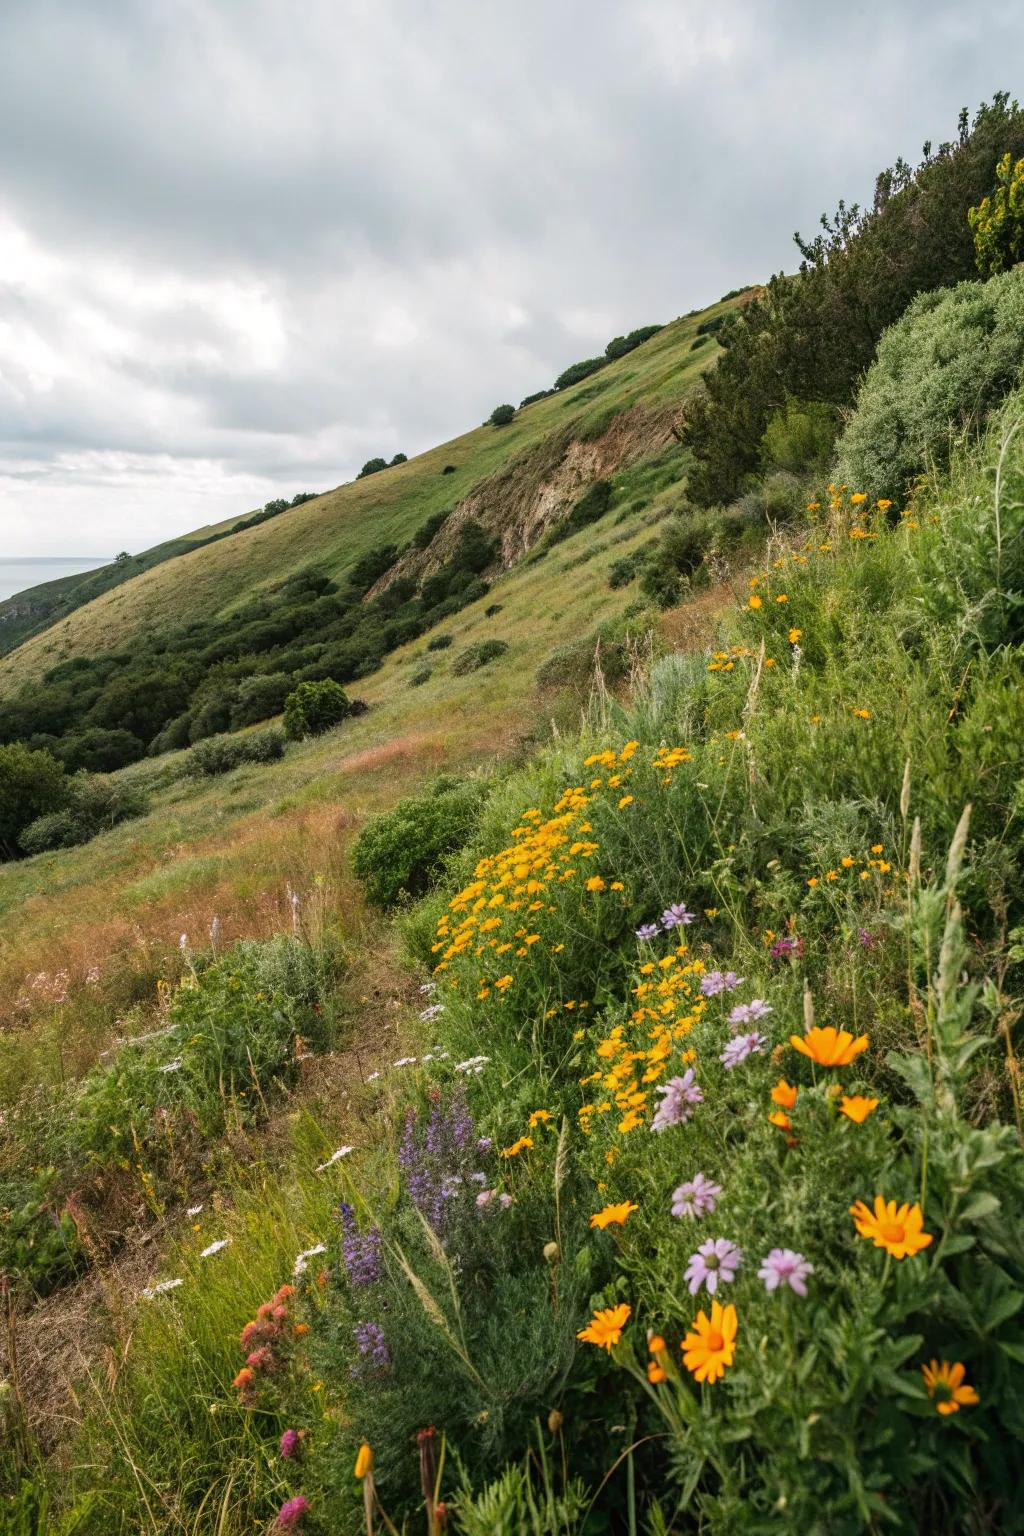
372 467
399 458
502 415
998 220
31 784
314 708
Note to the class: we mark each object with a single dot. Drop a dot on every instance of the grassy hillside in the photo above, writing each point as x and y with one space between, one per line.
335 529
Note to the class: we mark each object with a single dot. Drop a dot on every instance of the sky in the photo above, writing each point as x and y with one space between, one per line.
247 244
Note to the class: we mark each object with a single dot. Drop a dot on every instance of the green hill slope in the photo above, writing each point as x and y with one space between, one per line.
547 456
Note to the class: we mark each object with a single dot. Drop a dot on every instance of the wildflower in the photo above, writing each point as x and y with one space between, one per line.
291 1512
472 1064
792 945
784 1095
857 498
717 1259
194 1210
372 1347
405 1061
697 1197
335 1157
857 1108
360 1251
779 1118
782 598
655 1373
539 1117
289 1443
794 636
883 505
784 1267
605 1327
244 1378
714 982
898 1231
675 915
753 601
749 1013
364 1460
829 1047
739 1048
159 1289
595 883
626 800
216 1247
299 1267
711 1343
613 1215
862 714
514 1150
945 1385
680 1094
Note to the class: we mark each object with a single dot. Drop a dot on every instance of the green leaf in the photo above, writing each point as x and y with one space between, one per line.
985 1204
1003 1307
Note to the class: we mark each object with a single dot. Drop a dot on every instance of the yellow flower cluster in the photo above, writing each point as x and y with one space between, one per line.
637 1054
865 867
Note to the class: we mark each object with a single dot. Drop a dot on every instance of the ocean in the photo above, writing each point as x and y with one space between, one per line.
31 570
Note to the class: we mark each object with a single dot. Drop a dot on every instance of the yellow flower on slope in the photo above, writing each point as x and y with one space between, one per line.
945 1384
605 1327
612 1215
829 1047
711 1343
899 1230
364 1460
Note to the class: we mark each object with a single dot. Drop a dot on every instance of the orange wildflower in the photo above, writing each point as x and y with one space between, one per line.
899 1230
711 1343
829 1047
946 1387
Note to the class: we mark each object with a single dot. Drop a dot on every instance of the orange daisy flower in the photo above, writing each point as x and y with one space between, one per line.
784 1095
613 1215
946 1387
829 1047
857 1108
605 1327
899 1230
711 1343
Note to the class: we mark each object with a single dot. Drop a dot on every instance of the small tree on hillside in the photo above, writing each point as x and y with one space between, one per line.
502 415
31 784
315 707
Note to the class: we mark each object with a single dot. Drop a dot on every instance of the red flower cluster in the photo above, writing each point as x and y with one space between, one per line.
265 1339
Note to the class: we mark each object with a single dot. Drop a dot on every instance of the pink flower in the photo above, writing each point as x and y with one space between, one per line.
784 1267
717 1259
291 1512
696 1197
289 1441
740 1048
680 1095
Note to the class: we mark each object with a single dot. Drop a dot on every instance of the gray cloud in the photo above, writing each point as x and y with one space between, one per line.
244 246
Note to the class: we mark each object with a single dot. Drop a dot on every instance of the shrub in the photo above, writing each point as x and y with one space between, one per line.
399 458
939 371
402 853
478 655
314 708
419 678
449 469
800 437
492 609
99 751
540 394
39 1243
259 697
439 642
95 803
577 371
32 784
219 754
425 534
502 415
998 221
372 467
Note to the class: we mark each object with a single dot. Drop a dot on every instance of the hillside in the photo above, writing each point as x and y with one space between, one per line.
552 449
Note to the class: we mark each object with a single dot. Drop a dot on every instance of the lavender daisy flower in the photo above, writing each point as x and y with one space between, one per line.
648 930
675 915
714 982
680 1095
716 1260
740 1048
749 1013
697 1197
784 1267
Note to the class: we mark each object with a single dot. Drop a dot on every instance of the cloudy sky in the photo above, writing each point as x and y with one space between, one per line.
247 244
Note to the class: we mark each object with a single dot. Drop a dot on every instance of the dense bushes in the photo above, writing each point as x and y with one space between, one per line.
402 853
32 784
617 347
502 415
219 754
314 708
478 655
810 337
93 804
940 370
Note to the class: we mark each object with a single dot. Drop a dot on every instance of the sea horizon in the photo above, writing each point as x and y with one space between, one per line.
18 573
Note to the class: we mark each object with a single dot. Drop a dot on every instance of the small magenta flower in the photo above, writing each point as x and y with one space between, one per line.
714 982
697 1197
716 1260
289 1443
739 1048
291 1512
784 1267
675 915
680 1095
648 931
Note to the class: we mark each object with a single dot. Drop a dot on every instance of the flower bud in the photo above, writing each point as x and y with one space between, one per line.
555 1421
552 1252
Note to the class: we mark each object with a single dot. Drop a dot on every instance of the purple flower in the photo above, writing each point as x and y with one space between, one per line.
291 1512
749 1013
681 1093
787 946
673 916
784 1267
697 1197
486 1196
648 931
740 1048
434 1162
715 1260
372 1346
360 1251
484 1143
867 940
289 1441
714 982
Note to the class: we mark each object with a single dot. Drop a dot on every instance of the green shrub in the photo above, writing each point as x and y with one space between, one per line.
577 371
998 220
39 1243
478 655
372 467
259 697
314 708
419 678
219 754
439 642
99 751
502 415
940 370
800 437
426 533
402 853
95 803
32 784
